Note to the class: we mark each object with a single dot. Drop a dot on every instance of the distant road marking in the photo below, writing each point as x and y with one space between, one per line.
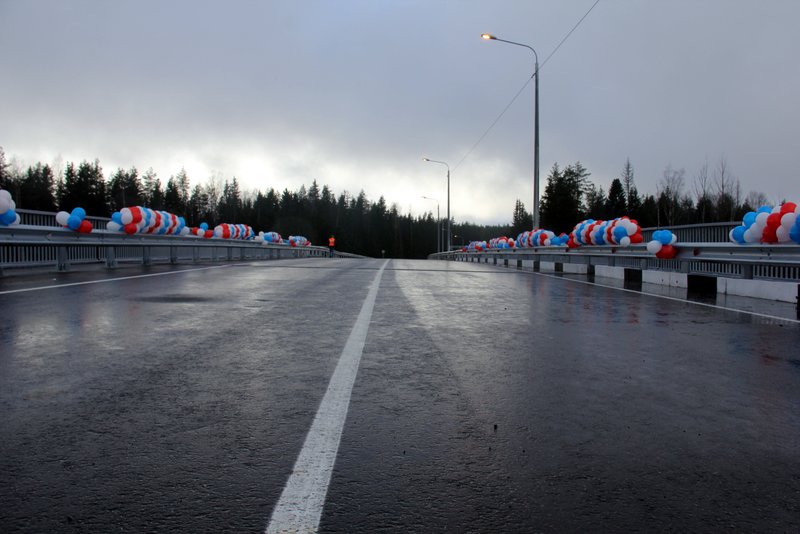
676 299
299 508
40 288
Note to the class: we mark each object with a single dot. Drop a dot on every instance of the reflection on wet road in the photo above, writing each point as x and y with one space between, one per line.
486 400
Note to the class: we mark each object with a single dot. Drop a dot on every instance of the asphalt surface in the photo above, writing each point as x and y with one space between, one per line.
487 400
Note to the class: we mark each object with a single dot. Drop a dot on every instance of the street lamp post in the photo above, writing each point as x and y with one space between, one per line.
449 233
535 124
438 225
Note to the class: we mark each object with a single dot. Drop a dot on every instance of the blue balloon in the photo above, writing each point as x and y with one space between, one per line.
8 217
794 234
80 213
74 222
116 217
204 225
749 218
620 232
665 237
738 234
765 209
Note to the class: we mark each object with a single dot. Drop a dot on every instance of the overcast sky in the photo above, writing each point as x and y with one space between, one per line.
354 93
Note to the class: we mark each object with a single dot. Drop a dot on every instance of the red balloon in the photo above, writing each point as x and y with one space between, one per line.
85 227
637 237
789 207
136 213
770 234
667 252
131 228
209 234
774 220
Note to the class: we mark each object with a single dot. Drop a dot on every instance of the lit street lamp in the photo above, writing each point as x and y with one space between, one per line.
438 225
535 125
449 238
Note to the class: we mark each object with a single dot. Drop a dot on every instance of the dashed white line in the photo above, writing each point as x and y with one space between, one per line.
299 508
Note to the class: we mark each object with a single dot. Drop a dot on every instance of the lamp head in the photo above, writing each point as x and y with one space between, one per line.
425 159
487 36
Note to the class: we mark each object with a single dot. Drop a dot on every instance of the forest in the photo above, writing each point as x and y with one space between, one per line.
375 228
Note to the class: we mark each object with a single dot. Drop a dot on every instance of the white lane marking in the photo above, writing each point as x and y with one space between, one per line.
40 288
676 299
299 508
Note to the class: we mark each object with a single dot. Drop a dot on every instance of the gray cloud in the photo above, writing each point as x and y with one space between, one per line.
354 93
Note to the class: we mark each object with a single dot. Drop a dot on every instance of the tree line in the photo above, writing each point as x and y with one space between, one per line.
715 195
372 228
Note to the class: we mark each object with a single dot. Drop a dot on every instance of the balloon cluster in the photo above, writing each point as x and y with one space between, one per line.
541 238
8 215
75 221
662 244
201 231
621 231
780 224
501 243
234 231
141 220
299 241
269 237
478 246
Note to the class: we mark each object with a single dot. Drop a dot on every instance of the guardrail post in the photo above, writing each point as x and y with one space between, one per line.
146 259
747 272
173 255
111 257
230 254
195 254
63 261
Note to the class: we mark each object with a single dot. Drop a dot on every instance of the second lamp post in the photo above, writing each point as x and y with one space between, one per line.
449 233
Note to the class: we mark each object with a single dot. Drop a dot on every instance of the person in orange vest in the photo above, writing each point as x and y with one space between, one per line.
331 244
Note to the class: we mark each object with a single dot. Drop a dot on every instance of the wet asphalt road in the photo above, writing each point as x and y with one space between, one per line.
487 400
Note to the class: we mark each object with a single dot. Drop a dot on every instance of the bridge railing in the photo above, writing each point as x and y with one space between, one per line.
779 262
27 246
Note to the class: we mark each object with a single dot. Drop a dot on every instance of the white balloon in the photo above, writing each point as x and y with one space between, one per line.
126 215
5 205
777 209
788 220
113 226
5 194
654 246
674 239
625 241
783 234
16 221
797 210
761 219
62 217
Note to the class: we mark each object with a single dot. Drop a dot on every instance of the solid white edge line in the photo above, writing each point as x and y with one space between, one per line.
299 508
676 299
87 282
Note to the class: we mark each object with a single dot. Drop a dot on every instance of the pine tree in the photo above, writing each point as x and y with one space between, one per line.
616 205
36 190
521 219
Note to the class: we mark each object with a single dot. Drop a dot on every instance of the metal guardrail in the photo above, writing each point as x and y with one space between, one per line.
779 262
696 233
26 246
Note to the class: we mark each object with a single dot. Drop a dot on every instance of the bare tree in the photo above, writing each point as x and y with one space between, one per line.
670 193
728 189
756 199
702 191
627 180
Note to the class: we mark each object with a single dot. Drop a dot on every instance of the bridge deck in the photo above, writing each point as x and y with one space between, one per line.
486 400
